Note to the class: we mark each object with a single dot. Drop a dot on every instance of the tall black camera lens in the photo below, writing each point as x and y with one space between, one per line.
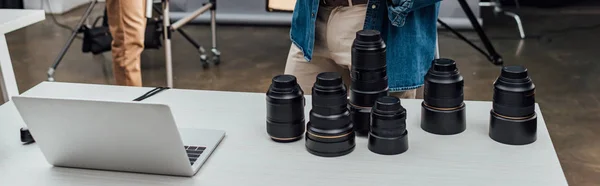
513 119
329 131
443 109
369 77
285 109
388 134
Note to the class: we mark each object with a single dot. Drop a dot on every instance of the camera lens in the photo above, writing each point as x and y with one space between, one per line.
369 77
443 109
512 118
329 131
285 109
388 134
514 93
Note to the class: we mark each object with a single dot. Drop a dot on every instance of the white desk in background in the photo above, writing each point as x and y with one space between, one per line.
10 20
248 157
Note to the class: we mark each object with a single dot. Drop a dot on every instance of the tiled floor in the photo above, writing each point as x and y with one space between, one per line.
561 59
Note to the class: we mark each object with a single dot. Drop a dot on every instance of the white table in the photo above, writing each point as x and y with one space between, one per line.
248 157
11 20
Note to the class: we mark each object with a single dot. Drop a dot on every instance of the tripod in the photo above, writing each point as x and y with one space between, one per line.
167 34
169 28
491 53
67 45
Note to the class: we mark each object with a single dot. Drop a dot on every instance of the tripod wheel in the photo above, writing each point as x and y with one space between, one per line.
204 63
216 60
497 60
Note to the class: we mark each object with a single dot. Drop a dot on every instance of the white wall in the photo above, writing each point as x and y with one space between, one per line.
57 6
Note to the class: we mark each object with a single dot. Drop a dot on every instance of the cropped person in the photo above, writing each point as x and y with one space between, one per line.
127 23
322 33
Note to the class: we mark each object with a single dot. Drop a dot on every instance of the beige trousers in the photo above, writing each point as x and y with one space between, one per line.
127 22
335 31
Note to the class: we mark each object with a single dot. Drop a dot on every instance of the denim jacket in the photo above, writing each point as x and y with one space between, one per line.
409 29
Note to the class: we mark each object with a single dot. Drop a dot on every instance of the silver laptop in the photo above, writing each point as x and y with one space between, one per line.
117 136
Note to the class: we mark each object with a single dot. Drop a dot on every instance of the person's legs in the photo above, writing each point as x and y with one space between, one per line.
344 22
407 94
306 72
343 25
127 24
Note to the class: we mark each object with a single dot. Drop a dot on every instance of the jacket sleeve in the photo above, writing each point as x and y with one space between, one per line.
399 9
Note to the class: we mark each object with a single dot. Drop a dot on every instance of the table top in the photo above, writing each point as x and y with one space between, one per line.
248 157
13 19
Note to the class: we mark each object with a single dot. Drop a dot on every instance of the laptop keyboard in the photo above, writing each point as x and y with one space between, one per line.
193 152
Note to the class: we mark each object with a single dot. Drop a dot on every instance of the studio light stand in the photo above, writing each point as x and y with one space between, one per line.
168 29
202 52
491 53
498 9
67 45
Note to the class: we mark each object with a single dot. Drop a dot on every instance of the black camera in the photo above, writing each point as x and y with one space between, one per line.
369 77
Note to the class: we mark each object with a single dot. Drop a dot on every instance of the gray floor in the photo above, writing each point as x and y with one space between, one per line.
561 59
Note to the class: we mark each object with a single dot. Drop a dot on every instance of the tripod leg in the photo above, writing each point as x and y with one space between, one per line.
201 51
460 36
63 51
519 24
187 37
494 57
167 33
216 58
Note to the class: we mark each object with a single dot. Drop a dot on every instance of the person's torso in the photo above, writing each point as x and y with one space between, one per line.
410 35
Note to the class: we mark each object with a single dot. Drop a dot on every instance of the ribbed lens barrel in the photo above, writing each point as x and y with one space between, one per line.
514 93
369 77
512 118
329 132
444 85
285 109
443 108
388 127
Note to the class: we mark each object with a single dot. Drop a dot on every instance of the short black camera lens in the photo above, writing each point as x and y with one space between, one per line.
443 108
330 132
285 109
514 93
512 118
388 133
369 77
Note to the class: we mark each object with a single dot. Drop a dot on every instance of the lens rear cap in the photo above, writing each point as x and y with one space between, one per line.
368 35
284 82
514 72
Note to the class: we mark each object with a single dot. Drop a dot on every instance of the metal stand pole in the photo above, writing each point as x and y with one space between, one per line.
169 28
216 57
437 46
167 35
67 45
200 48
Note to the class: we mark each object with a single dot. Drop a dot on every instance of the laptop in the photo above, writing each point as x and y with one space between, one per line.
116 136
